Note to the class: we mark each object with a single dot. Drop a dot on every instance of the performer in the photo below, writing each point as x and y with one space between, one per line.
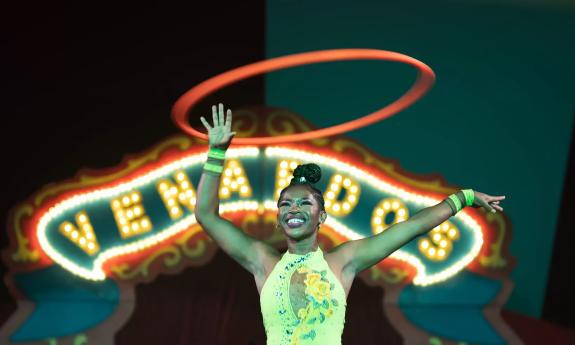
303 291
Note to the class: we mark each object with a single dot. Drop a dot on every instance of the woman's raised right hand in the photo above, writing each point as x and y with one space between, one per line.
220 134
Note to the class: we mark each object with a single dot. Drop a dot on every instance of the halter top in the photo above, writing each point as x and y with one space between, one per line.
302 302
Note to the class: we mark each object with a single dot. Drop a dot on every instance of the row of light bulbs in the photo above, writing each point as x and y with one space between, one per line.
236 172
121 194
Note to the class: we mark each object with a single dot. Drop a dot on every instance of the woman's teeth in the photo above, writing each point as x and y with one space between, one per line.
295 222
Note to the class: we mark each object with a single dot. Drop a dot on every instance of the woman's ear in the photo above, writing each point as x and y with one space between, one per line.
322 216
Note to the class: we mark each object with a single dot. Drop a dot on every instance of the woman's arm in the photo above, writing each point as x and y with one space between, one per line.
246 250
357 255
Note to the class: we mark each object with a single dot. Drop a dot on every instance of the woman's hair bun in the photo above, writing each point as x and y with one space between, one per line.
311 172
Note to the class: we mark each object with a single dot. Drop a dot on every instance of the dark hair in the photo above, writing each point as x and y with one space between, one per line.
307 175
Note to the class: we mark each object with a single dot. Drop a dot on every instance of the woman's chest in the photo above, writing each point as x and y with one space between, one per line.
297 278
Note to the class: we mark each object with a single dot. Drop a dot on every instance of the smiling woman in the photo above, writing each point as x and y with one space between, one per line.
301 202
303 298
303 291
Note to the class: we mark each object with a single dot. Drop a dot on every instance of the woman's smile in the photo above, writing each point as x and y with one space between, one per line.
295 220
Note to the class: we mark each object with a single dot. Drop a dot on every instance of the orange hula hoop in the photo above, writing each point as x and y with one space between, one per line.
424 82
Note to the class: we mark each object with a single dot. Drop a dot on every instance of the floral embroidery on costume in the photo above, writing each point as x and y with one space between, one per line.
302 302
319 306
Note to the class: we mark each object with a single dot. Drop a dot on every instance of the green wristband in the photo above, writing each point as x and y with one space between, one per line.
456 201
451 206
213 168
217 153
469 196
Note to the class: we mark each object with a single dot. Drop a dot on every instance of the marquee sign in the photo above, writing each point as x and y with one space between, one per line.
110 230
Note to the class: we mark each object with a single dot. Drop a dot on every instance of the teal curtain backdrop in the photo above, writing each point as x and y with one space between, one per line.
498 119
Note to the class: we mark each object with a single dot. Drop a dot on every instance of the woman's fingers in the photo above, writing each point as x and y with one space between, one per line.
229 119
498 208
493 206
484 202
215 115
221 115
489 198
489 203
205 123
220 120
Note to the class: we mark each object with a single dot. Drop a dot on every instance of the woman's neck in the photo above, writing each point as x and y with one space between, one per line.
303 246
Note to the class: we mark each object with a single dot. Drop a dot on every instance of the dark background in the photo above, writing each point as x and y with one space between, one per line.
85 85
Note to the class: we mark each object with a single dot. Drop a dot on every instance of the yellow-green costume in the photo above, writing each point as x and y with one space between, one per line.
302 302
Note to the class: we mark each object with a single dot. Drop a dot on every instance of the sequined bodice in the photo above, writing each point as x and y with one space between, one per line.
302 302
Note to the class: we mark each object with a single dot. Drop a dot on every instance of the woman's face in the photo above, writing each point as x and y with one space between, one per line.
299 213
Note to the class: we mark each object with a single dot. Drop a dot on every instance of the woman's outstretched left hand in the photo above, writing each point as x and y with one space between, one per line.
488 202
